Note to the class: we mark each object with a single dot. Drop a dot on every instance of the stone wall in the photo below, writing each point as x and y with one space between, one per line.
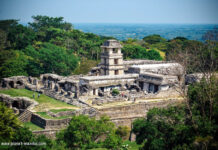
19 103
129 63
49 123
124 115
48 133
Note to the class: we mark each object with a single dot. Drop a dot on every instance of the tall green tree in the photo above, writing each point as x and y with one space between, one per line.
84 132
153 39
8 124
139 52
51 59
14 66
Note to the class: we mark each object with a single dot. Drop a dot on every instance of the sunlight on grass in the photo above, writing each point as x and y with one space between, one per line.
46 116
45 103
60 110
32 126
132 145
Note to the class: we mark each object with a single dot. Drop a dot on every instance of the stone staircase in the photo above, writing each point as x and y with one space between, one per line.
25 116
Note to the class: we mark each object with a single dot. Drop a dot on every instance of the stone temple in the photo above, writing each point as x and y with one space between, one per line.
133 78
142 85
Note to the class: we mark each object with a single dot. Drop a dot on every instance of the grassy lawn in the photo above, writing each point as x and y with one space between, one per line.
132 145
46 116
32 126
60 110
45 103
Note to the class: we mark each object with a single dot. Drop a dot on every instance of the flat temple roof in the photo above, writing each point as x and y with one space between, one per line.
150 66
110 77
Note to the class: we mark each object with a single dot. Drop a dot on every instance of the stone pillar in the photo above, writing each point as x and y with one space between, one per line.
69 93
145 87
57 88
35 81
91 92
163 87
151 88
66 86
52 85
96 92
48 85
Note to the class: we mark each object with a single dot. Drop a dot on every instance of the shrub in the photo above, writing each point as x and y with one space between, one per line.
123 132
115 92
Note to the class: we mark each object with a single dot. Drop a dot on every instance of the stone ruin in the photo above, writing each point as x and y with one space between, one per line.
133 78
18 104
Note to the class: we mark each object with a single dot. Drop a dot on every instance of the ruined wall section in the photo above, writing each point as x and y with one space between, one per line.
49 123
125 115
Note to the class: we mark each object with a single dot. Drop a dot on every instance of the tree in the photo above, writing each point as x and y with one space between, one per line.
49 58
43 22
20 36
14 66
194 125
138 52
163 129
153 39
5 25
154 55
123 132
86 133
8 124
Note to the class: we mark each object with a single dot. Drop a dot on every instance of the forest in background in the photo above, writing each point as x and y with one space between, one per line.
51 45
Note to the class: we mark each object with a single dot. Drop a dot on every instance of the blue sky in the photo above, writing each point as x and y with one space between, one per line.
114 11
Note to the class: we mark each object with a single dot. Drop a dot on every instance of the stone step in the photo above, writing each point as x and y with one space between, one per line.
24 117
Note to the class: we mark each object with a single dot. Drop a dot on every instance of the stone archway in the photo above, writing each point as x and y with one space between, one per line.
11 83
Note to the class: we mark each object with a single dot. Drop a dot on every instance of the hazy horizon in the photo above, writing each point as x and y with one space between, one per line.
114 11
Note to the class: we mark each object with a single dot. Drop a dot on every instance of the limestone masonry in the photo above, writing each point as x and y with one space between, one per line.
138 82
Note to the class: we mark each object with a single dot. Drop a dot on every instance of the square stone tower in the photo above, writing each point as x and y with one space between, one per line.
111 58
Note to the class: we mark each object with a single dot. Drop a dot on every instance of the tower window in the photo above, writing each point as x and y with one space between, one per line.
115 61
116 72
115 50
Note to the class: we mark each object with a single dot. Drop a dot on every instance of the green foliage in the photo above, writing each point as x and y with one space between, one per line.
49 45
138 52
123 132
47 116
115 92
20 36
60 110
13 66
44 101
43 22
85 66
163 129
195 56
152 54
153 39
8 124
49 58
24 135
173 128
86 133
7 24
32 126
